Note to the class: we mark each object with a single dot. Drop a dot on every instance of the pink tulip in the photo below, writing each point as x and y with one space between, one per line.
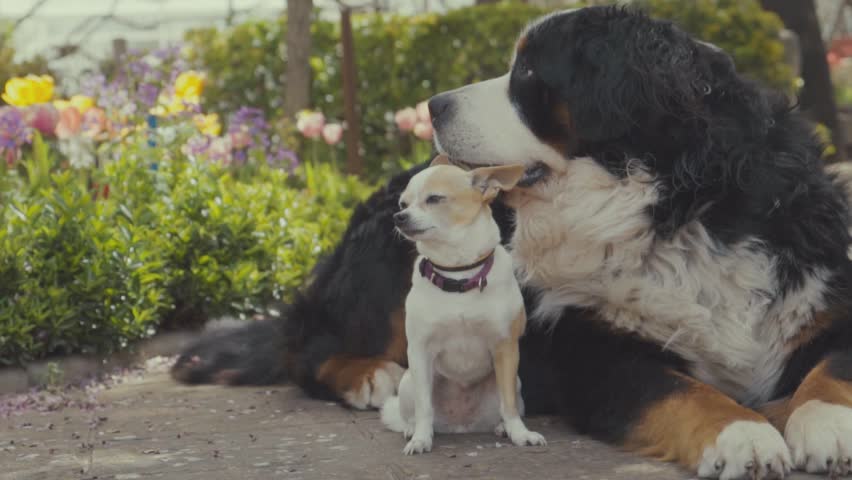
70 123
310 124
406 119
423 131
423 112
332 133
42 117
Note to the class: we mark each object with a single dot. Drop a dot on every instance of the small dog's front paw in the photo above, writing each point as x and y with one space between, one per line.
527 437
819 435
418 444
408 431
520 435
500 430
746 450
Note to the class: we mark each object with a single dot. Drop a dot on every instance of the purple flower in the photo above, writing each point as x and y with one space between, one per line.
251 120
148 94
197 145
282 155
14 133
92 85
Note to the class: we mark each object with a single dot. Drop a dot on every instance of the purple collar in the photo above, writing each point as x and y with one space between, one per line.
429 270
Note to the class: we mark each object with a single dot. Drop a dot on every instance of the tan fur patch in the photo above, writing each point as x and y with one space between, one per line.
397 349
777 412
343 373
506 358
522 43
566 121
819 384
820 322
463 202
679 427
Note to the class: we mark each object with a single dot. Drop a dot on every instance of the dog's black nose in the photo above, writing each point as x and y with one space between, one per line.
440 107
400 219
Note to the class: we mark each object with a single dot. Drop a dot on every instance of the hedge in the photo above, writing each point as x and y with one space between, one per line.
168 247
403 60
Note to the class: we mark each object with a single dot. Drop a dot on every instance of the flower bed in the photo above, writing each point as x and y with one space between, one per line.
126 210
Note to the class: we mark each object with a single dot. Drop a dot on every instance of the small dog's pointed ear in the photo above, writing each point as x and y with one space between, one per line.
491 180
440 160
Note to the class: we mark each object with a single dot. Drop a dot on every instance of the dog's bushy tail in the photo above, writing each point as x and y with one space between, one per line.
392 416
251 354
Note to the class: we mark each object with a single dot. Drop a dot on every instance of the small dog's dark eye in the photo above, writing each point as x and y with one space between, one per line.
432 199
402 205
528 73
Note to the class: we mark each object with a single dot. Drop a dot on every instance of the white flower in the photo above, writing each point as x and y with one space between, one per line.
168 134
80 151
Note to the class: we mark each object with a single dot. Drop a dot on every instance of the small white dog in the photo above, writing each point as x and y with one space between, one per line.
464 313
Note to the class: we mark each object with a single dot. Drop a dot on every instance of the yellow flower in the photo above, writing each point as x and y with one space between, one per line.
81 102
189 86
208 124
29 90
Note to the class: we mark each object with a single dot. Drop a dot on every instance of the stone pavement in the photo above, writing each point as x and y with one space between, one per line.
146 426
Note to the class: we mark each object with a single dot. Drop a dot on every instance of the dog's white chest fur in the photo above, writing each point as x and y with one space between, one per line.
590 243
459 330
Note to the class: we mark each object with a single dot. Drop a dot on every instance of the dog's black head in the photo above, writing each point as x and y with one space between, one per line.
614 85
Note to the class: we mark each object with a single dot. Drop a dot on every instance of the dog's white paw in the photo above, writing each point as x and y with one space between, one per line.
819 435
418 444
527 438
746 450
375 387
500 430
520 435
408 431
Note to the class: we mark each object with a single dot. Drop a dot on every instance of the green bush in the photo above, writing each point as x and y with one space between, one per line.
403 60
166 248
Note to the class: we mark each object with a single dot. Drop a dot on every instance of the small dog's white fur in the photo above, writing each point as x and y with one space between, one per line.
455 340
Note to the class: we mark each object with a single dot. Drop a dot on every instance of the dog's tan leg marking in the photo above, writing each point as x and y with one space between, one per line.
819 428
701 428
366 382
506 359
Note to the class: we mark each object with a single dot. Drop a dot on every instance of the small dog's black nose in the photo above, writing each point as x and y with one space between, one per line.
400 219
440 106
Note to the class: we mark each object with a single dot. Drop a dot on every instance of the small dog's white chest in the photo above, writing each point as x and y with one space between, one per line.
463 351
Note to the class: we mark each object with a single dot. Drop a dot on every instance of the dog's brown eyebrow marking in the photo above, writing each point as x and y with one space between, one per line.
522 43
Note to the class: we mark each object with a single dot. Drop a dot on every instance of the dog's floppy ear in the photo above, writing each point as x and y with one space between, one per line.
491 180
440 160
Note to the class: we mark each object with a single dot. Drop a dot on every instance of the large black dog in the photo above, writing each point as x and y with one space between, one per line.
683 251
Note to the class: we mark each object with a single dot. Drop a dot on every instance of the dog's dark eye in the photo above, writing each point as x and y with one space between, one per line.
527 73
432 199
402 205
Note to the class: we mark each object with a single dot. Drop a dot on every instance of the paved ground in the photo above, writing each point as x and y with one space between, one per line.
145 426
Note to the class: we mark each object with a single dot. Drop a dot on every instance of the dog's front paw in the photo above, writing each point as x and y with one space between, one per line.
746 450
819 435
520 435
374 385
527 438
418 444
